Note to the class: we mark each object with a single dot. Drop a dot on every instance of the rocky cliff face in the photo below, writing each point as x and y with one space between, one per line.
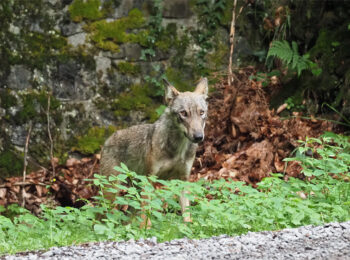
100 61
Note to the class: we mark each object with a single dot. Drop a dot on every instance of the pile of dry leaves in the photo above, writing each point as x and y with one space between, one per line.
66 188
245 140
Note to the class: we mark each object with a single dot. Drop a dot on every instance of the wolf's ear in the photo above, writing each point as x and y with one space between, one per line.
170 92
202 87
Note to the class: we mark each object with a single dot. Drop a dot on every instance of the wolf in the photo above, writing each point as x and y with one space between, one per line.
166 148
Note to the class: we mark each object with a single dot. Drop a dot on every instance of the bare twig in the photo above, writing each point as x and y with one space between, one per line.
50 137
32 161
21 183
25 163
92 168
232 38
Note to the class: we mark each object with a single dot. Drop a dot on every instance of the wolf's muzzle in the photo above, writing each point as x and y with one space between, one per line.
198 137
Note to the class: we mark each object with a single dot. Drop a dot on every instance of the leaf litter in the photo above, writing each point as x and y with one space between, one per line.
245 141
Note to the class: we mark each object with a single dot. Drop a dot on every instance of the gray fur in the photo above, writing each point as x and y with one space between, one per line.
167 147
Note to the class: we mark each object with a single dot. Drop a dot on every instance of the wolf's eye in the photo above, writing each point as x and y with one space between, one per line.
183 113
201 112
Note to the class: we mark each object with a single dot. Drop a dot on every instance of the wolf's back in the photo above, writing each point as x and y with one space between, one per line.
129 146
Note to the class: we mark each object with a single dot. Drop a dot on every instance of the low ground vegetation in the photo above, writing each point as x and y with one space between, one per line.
217 207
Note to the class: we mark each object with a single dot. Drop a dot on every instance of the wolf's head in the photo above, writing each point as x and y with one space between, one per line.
190 109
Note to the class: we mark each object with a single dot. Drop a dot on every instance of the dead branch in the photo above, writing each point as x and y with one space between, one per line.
50 137
21 183
25 163
281 108
35 163
92 168
232 40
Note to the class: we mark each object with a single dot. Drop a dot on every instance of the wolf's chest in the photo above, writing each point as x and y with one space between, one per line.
177 166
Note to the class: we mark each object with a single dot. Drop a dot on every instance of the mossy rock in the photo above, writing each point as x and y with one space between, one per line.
167 37
34 107
217 60
85 9
176 77
39 48
128 68
139 98
92 141
108 35
7 99
10 163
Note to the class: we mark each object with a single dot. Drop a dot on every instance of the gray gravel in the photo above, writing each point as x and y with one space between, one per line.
331 241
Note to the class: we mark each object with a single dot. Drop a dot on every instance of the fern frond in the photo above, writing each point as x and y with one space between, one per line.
289 55
281 50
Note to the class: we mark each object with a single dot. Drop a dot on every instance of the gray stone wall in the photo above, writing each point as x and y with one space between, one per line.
48 51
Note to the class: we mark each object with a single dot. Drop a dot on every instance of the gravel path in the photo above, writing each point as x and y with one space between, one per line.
331 241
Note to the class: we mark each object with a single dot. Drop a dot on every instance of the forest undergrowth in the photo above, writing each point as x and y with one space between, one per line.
253 172
217 207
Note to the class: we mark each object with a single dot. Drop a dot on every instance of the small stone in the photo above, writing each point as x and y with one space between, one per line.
77 39
19 78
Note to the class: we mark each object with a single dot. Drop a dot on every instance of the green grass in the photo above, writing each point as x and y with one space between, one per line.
220 207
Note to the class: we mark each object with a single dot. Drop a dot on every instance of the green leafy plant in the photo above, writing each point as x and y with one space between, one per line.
291 58
320 157
346 120
155 78
156 29
218 207
293 104
210 14
264 78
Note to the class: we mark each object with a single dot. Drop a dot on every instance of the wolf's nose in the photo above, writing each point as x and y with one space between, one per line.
197 137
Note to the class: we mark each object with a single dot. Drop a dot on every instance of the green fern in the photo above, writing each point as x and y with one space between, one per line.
289 55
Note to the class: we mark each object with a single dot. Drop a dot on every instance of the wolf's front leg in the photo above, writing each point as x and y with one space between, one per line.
185 204
184 201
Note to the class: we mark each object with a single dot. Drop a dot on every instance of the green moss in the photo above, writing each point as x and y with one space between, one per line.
81 55
218 58
107 35
128 68
85 9
92 141
139 99
226 16
109 6
31 48
39 49
10 163
29 109
175 76
324 48
167 37
35 107
7 100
